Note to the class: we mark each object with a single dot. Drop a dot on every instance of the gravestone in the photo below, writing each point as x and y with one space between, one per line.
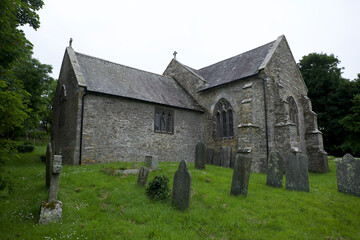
217 157
143 175
51 211
296 172
151 162
225 156
275 169
348 175
181 187
200 155
49 157
241 175
209 156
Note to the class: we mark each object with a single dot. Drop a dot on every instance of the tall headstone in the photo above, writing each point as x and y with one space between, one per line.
209 156
217 157
348 175
241 175
181 187
143 175
51 211
296 172
226 156
275 169
49 157
151 162
200 155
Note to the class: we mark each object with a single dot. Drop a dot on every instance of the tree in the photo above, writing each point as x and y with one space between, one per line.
351 123
330 95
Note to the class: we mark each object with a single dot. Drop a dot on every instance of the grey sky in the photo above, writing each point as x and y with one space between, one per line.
144 33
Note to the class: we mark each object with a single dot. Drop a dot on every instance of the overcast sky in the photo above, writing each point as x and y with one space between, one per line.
145 33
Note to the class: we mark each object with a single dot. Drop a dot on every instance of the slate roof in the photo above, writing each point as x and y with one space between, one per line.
110 78
235 68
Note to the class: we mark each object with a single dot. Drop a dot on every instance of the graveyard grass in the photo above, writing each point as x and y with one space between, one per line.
97 205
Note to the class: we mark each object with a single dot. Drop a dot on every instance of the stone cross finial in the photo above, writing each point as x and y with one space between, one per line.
70 42
175 52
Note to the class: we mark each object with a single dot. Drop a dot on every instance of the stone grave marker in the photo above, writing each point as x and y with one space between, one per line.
200 155
51 211
275 170
49 157
217 157
241 175
209 156
296 172
181 187
143 175
151 162
348 175
226 156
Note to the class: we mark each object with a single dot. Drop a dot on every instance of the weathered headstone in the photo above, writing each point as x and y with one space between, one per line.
200 155
296 172
143 175
51 211
49 157
275 169
181 187
217 157
209 156
241 175
151 162
348 175
226 156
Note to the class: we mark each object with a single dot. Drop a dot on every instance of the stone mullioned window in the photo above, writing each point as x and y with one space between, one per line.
224 120
164 120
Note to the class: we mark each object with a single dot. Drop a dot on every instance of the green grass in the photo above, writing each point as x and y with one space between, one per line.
97 205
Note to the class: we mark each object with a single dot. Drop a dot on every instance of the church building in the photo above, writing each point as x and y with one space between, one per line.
253 103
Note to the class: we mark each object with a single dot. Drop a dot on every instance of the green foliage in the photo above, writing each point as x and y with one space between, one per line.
330 95
25 148
158 188
351 123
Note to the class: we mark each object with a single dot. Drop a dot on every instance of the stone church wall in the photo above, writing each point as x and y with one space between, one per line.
120 129
66 135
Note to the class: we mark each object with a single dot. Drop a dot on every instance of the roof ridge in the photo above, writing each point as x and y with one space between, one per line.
272 42
104 60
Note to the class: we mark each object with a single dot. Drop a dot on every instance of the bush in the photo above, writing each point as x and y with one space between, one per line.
25 148
158 188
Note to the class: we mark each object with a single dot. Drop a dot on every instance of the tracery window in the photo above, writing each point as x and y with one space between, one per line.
164 120
224 122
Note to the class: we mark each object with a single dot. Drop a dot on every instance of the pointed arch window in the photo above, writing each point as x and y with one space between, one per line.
164 120
62 106
293 113
224 122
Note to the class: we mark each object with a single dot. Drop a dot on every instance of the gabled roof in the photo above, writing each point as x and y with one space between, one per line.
241 66
102 76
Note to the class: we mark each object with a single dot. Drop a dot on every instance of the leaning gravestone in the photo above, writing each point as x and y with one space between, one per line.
275 170
151 162
348 175
49 156
143 175
200 156
181 187
296 172
51 211
241 175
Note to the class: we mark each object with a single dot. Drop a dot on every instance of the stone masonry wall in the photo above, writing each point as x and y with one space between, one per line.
120 129
66 137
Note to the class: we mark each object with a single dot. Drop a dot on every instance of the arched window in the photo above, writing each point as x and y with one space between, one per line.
62 105
224 122
293 112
